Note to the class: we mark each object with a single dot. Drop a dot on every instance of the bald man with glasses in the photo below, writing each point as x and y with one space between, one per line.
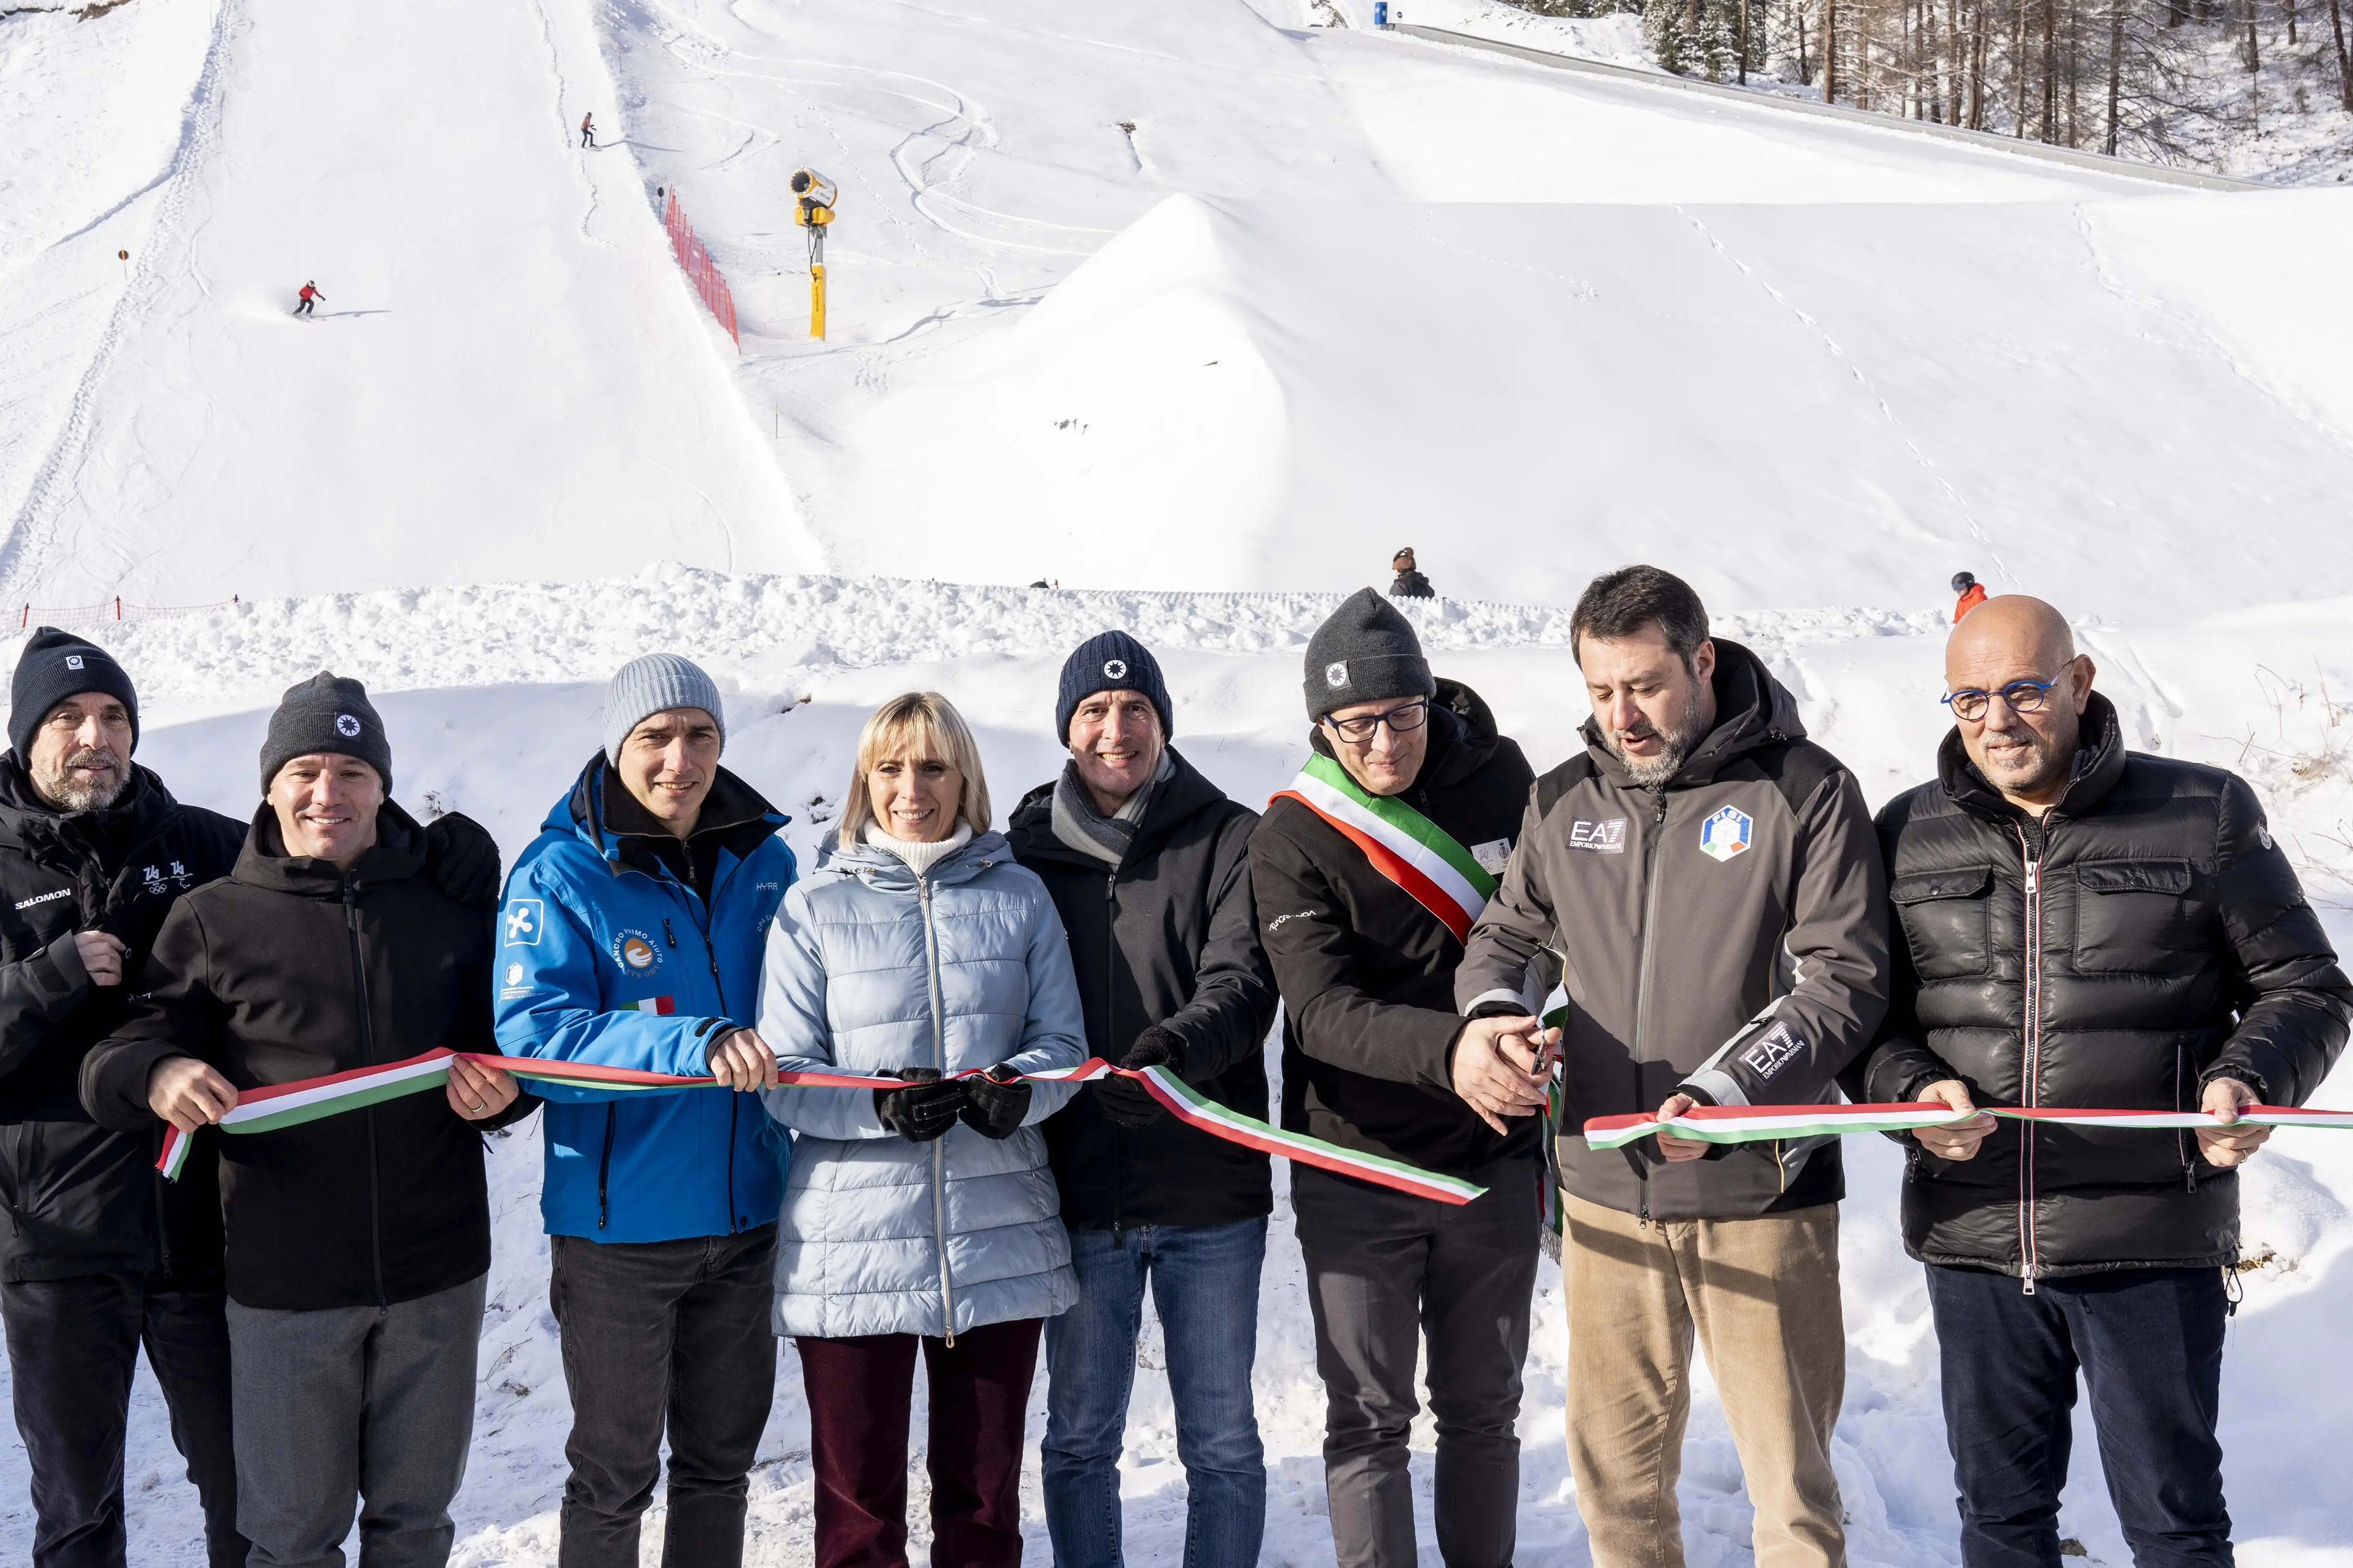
2084 925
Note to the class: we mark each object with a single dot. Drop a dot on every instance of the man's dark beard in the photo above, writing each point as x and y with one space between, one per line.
1648 772
61 789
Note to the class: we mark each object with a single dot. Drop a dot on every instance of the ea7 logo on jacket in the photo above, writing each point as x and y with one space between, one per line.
1725 833
525 917
1771 1051
1601 837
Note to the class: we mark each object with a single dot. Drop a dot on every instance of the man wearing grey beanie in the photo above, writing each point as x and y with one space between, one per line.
1375 1059
632 937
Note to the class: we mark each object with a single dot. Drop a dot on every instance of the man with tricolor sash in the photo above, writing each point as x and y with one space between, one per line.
358 1223
1706 882
1368 871
632 939
2085 927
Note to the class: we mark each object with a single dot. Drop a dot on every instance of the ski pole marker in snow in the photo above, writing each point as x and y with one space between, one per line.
1766 1124
313 1099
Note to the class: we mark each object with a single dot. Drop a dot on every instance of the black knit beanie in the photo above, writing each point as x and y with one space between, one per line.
55 665
326 713
1111 661
1365 652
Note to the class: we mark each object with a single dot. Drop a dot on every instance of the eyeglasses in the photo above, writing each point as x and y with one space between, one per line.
1401 720
2021 696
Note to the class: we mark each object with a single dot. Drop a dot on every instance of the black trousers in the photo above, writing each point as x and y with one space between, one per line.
73 1346
663 1334
2149 1342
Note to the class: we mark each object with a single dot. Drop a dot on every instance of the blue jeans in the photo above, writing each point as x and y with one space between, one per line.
2148 1341
1205 1288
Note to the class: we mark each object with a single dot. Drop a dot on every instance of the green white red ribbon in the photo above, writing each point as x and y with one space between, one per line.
316 1098
1404 846
1763 1124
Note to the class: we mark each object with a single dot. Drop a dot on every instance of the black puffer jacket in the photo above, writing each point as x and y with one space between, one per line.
81 1198
1169 938
2147 937
290 968
1367 974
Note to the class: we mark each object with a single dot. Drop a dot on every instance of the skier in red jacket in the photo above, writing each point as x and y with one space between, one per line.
309 298
588 129
1972 593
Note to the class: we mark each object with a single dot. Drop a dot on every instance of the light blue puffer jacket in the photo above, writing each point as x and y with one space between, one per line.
869 967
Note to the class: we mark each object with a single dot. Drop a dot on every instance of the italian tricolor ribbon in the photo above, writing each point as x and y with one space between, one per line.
1404 846
313 1100
1761 1123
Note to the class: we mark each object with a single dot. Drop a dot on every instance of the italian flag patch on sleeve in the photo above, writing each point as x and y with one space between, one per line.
663 1005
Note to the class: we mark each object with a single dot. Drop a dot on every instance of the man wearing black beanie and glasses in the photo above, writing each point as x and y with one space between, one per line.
98 1256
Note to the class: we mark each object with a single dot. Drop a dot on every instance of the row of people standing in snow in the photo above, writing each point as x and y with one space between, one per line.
1706 881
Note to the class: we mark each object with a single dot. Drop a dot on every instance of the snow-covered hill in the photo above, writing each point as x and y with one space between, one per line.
1535 325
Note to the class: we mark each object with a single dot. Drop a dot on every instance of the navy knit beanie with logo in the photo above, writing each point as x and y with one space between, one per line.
55 665
326 713
1111 661
1364 652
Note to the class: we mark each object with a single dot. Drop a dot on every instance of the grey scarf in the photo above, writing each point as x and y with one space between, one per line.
1078 824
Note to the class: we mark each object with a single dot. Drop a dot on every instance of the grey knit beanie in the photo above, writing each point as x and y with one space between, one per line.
1365 652
327 712
654 684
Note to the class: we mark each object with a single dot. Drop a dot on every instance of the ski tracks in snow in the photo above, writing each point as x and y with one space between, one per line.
167 252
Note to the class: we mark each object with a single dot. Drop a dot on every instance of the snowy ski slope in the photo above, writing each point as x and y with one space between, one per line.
1535 325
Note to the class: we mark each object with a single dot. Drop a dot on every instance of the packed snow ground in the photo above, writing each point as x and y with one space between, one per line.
1535 325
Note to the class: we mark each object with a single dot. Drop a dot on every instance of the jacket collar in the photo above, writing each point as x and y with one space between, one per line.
32 824
1184 793
1752 711
397 854
608 818
880 869
2099 763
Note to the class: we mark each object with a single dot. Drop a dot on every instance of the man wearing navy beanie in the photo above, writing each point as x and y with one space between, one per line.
1147 863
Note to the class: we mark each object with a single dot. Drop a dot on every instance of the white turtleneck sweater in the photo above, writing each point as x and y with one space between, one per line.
920 858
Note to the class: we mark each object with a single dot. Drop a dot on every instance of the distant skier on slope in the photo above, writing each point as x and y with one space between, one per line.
307 298
588 129
1411 583
1972 593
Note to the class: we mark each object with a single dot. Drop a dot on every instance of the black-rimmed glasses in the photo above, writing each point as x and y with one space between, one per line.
2020 696
1402 719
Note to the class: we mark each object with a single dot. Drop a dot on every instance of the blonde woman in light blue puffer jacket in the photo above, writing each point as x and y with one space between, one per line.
923 1218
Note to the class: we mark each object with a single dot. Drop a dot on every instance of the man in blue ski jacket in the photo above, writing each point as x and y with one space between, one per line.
632 937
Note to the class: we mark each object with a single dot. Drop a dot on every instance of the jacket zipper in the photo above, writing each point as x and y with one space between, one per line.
368 1056
2029 1249
718 989
1110 1034
1643 970
939 1144
605 1166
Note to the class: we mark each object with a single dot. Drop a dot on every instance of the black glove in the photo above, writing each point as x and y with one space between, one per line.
922 1113
996 1101
1128 1102
462 858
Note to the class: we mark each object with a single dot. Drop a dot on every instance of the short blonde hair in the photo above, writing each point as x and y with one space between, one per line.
921 724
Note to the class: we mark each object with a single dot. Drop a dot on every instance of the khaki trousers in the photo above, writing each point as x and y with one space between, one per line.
1763 1296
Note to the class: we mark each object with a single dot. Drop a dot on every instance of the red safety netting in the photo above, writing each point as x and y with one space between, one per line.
31 615
696 262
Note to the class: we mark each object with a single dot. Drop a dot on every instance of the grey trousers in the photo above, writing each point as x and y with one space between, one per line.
353 1408
1386 1270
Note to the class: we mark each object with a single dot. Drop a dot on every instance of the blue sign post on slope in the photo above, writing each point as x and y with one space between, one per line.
1380 13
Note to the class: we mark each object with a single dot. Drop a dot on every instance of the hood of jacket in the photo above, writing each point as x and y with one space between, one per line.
397 854
1752 711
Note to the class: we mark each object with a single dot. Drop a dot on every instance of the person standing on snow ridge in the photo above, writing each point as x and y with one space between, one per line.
1708 881
1972 593
920 1220
632 938
307 298
2085 926
1148 863
588 130
1409 583
100 1255
1376 1058
359 1248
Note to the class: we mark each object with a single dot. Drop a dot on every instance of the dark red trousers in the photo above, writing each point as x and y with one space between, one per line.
859 1392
